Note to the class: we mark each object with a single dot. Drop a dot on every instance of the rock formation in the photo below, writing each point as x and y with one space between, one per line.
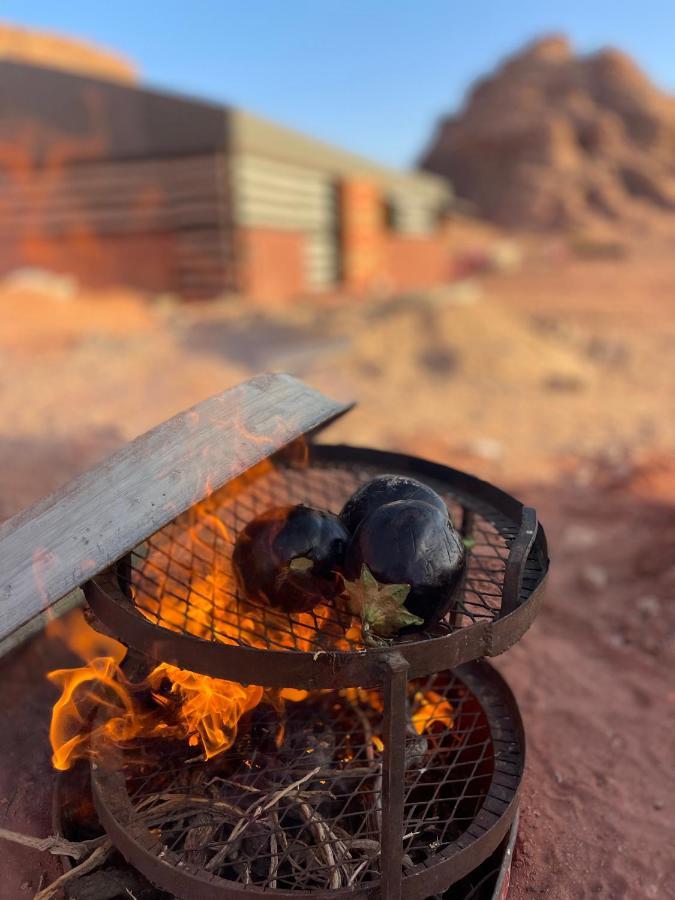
555 140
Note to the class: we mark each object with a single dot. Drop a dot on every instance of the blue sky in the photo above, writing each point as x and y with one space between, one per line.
370 75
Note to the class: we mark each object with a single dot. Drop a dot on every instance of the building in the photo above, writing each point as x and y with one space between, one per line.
117 183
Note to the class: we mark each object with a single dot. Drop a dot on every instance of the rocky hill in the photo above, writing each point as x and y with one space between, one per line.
557 140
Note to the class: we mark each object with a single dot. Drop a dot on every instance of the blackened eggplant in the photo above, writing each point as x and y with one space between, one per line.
291 557
386 489
403 565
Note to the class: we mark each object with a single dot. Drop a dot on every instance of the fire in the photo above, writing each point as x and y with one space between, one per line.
82 691
184 705
296 696
186 583
175 703
431 709
210 708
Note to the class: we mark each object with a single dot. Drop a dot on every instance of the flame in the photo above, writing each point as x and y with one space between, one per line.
431 709
296 696
185 705
174 703
428 709
210 708
83 690
197 549
378 743
185 582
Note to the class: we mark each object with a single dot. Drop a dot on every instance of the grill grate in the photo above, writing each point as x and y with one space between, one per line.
324 834
296 804
181 578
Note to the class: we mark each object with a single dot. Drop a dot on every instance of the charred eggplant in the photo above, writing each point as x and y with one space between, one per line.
403 564
386 489
291 557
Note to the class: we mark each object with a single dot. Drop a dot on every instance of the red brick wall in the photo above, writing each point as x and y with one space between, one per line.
416 262
375 258
271 263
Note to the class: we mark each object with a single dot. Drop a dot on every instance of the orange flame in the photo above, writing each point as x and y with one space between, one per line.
210 708
198 548
186 706
430 709
188 568
199 709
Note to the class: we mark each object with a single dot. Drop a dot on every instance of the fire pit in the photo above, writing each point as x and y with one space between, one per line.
353 799
239 747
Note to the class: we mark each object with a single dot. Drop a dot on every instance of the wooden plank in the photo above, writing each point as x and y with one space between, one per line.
57 544
37 623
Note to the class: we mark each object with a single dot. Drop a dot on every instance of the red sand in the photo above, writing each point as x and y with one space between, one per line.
594 679
552 383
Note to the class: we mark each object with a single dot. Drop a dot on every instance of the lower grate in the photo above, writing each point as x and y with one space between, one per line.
295 805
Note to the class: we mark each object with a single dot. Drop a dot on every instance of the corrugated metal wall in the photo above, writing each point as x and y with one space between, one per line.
271 194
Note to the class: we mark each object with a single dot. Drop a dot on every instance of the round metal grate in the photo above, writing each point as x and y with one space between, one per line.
175 597
305 816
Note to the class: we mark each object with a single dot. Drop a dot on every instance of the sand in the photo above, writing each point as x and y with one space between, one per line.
554 382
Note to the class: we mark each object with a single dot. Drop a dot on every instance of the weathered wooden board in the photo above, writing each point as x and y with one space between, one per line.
59 608
49 549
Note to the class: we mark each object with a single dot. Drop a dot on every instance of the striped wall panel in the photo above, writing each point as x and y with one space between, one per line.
271 194
413 214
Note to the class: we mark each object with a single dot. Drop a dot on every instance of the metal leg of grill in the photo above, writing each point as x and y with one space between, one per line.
393 776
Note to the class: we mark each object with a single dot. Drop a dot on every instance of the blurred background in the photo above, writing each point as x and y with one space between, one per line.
463 216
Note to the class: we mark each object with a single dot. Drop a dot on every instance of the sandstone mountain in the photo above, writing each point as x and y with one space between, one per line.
555 140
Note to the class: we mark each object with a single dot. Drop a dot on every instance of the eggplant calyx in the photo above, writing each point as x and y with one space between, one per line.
380 606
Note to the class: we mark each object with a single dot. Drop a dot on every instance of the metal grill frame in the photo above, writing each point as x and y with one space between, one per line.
144 850
525 572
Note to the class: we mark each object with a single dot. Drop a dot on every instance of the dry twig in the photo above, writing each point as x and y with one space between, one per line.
55 844
249 817
97 858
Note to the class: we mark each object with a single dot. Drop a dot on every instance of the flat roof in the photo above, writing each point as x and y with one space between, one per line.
252 134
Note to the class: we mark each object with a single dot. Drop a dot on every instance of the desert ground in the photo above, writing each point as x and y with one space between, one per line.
554 377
